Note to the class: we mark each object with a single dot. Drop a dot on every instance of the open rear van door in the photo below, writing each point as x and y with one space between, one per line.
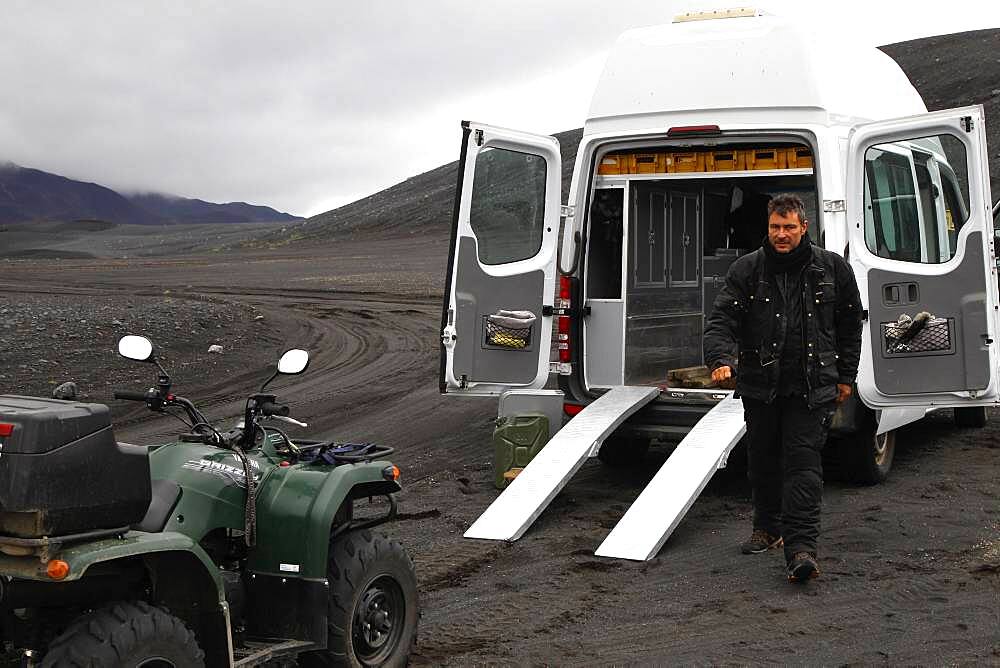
496 324
921 245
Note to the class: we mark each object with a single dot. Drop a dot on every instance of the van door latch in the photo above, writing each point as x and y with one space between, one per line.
549 311
967 123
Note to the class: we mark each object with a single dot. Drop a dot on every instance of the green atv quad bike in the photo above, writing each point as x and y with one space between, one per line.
224 548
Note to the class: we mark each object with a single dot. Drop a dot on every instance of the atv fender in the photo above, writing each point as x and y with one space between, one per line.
182 578
81 556
296 507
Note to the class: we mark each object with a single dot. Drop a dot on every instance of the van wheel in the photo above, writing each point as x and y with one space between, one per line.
126 635
972 417
621 451
373 610
867 457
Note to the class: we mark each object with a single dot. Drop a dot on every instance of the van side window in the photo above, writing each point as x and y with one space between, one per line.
507 212
915 202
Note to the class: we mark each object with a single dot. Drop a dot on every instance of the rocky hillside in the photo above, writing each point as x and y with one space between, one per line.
948 71
955 71
417 205
28 195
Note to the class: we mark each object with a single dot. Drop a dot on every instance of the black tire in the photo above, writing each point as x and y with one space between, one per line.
126 635
866 457
973 417
372 580
621 451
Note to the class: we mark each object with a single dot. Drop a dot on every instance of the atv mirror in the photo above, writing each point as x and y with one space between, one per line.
293 361
137 348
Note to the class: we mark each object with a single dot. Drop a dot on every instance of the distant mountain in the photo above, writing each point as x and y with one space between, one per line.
947 70
181 209
31 194
417 204
28 195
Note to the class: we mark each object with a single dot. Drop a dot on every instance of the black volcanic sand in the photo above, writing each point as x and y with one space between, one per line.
911 567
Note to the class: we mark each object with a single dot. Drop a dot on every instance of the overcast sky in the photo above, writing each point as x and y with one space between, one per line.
306 106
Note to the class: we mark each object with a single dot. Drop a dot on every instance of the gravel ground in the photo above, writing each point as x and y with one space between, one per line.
911 567
47 339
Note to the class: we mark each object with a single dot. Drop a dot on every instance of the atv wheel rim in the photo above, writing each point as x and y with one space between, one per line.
378 620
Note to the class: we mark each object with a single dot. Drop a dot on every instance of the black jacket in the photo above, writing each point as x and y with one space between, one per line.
746 330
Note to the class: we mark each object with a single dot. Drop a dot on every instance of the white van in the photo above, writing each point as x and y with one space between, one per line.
693 126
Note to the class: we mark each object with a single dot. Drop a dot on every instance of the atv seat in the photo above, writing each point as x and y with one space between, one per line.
165 496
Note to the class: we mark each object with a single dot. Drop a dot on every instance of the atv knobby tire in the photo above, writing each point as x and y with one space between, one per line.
125 635
373 583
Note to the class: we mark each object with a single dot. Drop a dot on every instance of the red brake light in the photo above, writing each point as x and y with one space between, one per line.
693 130
572 409
564 324
564 284
6 429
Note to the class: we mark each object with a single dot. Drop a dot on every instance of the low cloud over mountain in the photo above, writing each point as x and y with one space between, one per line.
33 195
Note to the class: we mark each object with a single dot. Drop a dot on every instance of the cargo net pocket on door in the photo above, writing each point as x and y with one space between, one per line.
509 329
921 334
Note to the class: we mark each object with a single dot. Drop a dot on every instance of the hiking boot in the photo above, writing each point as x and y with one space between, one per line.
802 567
761 541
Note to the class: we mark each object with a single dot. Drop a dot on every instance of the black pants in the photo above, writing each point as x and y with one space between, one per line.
785 467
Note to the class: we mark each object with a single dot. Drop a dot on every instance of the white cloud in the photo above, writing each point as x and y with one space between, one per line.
305 105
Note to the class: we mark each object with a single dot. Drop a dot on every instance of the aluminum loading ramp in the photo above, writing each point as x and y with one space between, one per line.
511 513
644 529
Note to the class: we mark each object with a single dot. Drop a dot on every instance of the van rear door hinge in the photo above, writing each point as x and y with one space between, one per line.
966 123
479 137
567 210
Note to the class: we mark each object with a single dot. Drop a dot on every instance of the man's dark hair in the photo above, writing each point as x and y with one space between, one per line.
786 204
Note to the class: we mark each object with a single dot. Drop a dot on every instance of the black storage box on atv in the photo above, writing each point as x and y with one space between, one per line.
62 472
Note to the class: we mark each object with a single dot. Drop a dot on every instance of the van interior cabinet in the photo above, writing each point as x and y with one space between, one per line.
664 321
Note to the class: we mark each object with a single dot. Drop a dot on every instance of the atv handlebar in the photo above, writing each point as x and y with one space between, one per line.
130 395
271 408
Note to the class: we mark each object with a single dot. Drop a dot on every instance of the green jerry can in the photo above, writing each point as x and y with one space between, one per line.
516 440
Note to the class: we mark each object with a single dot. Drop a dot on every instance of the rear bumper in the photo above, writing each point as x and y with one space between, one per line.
669 417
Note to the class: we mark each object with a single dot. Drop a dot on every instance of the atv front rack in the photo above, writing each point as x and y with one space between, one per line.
331 453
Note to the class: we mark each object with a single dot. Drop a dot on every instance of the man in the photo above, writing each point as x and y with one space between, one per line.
787 325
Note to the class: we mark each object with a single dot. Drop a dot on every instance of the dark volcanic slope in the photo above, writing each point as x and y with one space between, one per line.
421 204
948 71
31 194
28 195
958 70
184 210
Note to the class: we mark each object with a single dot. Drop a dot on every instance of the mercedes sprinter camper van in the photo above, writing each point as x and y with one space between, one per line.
692 128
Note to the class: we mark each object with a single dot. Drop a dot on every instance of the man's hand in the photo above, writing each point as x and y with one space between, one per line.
843 391
723 373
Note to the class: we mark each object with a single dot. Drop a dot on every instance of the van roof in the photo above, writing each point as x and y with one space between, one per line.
743 68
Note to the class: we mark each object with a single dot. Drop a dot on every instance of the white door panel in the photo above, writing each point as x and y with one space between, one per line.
502 258
909 260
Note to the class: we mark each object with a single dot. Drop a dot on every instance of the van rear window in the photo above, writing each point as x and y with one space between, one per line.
507 211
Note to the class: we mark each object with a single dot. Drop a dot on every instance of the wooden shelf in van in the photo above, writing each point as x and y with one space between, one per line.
612 179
